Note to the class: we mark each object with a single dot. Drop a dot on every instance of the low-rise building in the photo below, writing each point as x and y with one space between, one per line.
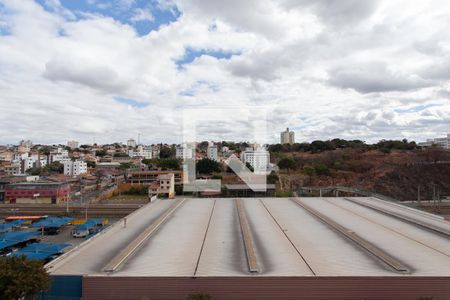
13 169
147 177
37 192
75 168
164 184
441 142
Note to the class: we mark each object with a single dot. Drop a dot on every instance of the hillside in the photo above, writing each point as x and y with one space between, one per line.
396 173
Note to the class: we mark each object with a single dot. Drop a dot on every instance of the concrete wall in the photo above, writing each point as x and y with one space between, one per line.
95 288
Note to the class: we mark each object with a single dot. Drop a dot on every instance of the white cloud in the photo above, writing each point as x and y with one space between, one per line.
142 15
325 68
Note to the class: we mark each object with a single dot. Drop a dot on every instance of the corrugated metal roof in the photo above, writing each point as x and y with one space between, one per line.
203 237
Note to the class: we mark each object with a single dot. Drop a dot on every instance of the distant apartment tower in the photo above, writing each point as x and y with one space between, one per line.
287 137
212 153
72 144
131 143
74 168
259 159
441 142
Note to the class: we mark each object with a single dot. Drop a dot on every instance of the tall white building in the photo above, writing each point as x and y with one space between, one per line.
441 142
287 137
212 153
131 143
72 144
259 159
74 168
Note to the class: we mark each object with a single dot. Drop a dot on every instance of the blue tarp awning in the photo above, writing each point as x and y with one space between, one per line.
12 238
88 225
41 251
52 222
6 226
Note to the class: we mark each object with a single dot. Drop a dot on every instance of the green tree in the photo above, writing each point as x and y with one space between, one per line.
208 166
309 170
91 164
35 171
169 163
55 167
120 154
322 169
167 152
20 278
286 163
125 166
272 178
101 153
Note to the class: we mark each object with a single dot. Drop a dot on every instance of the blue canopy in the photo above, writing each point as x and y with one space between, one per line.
88 225
41 251
52 222
12 238
6 226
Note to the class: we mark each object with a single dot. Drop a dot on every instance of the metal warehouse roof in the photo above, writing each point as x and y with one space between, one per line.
266 237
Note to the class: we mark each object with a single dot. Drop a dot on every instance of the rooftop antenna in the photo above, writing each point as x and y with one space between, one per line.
139 138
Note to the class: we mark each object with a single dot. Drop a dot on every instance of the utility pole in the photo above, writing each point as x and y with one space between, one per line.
418 194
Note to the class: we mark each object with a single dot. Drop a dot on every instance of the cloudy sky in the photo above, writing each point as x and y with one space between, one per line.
108 70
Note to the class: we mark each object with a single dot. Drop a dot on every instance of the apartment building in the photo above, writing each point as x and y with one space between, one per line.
186 151
441 142
32 161
75 168
142 151
60 155
212 153
259 159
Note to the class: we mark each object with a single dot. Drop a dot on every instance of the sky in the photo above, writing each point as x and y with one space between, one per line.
105 71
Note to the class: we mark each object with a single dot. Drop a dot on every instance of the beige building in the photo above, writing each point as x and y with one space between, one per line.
164 184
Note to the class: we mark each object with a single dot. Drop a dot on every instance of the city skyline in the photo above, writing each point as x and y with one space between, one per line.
107 70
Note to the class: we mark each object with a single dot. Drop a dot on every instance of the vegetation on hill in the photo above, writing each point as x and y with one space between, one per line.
398 173
329 145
